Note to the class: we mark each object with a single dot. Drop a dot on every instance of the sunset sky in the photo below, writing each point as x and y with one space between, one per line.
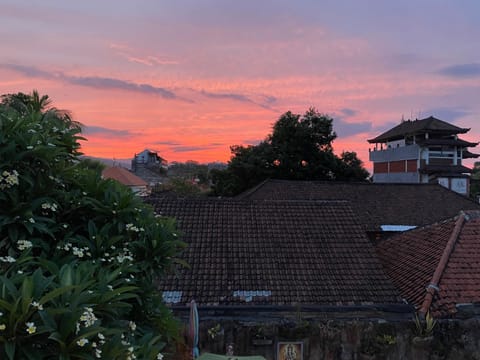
189 78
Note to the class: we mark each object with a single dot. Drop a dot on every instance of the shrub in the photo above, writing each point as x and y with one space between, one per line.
79 255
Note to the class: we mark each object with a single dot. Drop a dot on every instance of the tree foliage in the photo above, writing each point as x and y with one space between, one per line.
299 148
79 255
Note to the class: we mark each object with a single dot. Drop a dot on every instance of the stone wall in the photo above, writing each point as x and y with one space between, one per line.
345 339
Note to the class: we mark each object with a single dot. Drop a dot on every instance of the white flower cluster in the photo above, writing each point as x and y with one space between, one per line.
7 259
31 328
82 342
81 252
101 341
78 252
48 206
131 355
37 305
88 318
132 326
24 245
8 179
124 255
131 227
124 342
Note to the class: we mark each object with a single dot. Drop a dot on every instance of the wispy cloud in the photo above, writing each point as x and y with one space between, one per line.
181 148
267 100
348 112
91 130
461 70
345 128
97 82
168 143
132 56
151 60
178 149
111 83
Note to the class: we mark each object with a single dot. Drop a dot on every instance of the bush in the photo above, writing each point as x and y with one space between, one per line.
79 255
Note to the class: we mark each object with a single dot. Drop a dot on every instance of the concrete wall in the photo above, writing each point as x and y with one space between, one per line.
406 177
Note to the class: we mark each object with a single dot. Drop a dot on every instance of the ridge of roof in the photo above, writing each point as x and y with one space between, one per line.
442 264
252 190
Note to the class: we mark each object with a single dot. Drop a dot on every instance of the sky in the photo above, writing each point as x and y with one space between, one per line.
190 78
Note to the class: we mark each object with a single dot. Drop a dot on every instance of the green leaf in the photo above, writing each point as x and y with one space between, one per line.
10 350
57 337
27 293
55 293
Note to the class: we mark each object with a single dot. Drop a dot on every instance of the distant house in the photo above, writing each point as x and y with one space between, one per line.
423 151
125 177
149 166
277 255
381 208
437 267
148 158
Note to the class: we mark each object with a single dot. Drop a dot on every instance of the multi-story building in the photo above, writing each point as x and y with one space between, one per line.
422 151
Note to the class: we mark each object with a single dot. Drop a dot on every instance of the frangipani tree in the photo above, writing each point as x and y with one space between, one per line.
79 255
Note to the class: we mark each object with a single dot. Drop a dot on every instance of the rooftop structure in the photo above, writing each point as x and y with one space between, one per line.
423 151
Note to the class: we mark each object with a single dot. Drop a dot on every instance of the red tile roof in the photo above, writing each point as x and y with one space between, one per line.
446 255
275 253
123 176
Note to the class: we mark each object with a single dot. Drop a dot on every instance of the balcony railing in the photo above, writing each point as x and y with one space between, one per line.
408 152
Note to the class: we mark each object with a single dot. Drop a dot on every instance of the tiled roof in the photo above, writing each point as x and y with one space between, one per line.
274 253
123 176
409 127
375 204
444 169
451 249
447 141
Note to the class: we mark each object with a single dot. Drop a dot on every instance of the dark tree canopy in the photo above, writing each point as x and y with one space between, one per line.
299 148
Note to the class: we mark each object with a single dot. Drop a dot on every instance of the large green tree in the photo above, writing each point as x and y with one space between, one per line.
79 255
299 148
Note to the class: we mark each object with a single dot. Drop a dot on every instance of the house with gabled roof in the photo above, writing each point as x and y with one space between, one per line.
291 257
127 178
437 267
381 208
255 255
423 151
